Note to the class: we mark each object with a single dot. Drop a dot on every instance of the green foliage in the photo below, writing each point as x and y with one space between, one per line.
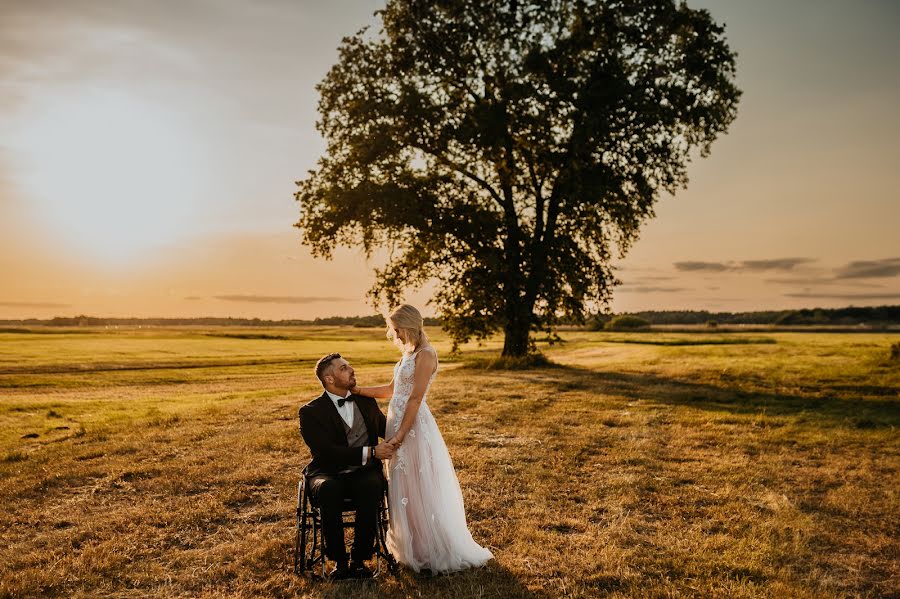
873 316
627 322
849 316
505 148
374 320
806 317
597 322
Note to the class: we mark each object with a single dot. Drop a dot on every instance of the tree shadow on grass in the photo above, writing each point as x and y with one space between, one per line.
491 581
865 406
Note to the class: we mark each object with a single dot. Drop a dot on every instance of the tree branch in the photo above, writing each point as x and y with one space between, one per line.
466 173
538 197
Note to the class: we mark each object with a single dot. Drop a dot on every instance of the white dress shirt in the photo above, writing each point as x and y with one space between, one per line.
346 412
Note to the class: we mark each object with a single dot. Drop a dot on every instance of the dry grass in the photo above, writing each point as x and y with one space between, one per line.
737 467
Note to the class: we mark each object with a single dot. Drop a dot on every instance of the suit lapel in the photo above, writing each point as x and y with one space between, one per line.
334 416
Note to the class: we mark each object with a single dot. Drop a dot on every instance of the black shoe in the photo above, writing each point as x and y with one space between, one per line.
340 572
360 570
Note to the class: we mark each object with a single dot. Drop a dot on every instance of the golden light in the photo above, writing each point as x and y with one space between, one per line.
113 174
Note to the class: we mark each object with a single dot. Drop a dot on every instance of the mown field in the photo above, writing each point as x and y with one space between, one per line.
164 463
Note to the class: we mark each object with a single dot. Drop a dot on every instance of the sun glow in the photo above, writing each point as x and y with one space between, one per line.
110 173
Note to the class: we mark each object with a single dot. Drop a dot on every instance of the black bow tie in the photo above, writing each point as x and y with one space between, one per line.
344 400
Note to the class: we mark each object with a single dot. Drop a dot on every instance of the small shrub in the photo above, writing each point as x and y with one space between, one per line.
712 324
597 322
626 322
895 352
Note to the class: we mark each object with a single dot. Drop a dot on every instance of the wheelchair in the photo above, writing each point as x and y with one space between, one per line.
309 553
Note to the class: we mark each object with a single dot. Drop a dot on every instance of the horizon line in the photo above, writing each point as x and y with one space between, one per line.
364 316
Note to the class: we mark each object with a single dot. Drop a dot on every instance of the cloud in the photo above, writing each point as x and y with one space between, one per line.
34 305
630 268
281 299
775 264
865 269
647 278
745 265
846 296
650 289
702 266
819 281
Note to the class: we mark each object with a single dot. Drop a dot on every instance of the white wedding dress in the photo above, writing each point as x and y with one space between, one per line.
427 518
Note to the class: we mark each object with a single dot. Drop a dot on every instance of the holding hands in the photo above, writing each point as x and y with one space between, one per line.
386 449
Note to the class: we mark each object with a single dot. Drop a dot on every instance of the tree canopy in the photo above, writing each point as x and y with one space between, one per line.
508 149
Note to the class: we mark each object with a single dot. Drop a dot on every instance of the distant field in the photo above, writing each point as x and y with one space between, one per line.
140 462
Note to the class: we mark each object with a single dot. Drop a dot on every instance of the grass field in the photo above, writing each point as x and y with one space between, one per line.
164 463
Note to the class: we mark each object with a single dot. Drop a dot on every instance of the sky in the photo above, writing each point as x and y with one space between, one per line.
148 154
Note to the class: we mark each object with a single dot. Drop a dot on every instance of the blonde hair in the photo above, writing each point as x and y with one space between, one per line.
408 319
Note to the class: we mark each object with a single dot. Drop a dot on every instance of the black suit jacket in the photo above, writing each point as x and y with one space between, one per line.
322 428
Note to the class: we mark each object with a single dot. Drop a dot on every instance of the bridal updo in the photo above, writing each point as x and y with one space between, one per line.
409 320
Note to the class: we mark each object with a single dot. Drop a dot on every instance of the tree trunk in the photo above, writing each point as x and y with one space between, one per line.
515 339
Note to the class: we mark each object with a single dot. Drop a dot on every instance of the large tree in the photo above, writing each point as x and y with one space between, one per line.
509 149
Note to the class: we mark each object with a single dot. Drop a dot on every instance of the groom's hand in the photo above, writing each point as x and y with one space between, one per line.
384 451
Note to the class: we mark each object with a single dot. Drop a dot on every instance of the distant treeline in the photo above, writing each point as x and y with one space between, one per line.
93 321
851 316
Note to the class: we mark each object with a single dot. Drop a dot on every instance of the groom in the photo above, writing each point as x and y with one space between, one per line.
342 431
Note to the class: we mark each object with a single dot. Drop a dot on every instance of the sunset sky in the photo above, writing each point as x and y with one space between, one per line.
148 153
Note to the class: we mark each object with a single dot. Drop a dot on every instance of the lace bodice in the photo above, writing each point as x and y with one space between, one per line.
404 377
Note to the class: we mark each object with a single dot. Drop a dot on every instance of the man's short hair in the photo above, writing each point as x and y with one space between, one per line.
323 364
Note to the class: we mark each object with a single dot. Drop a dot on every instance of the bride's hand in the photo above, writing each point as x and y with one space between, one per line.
396 441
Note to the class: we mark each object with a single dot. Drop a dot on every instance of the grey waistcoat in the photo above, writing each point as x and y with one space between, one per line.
357 436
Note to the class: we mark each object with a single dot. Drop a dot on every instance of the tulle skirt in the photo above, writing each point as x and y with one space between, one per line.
427 518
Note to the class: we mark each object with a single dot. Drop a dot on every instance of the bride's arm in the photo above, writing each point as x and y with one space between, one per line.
425 363
380 392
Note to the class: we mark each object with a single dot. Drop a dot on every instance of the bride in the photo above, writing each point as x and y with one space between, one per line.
428 521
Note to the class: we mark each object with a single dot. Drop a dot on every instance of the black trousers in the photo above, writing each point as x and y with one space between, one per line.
364 487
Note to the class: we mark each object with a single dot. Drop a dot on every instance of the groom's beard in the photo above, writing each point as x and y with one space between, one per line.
351 382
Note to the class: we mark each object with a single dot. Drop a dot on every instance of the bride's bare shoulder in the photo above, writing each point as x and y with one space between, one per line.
426 359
